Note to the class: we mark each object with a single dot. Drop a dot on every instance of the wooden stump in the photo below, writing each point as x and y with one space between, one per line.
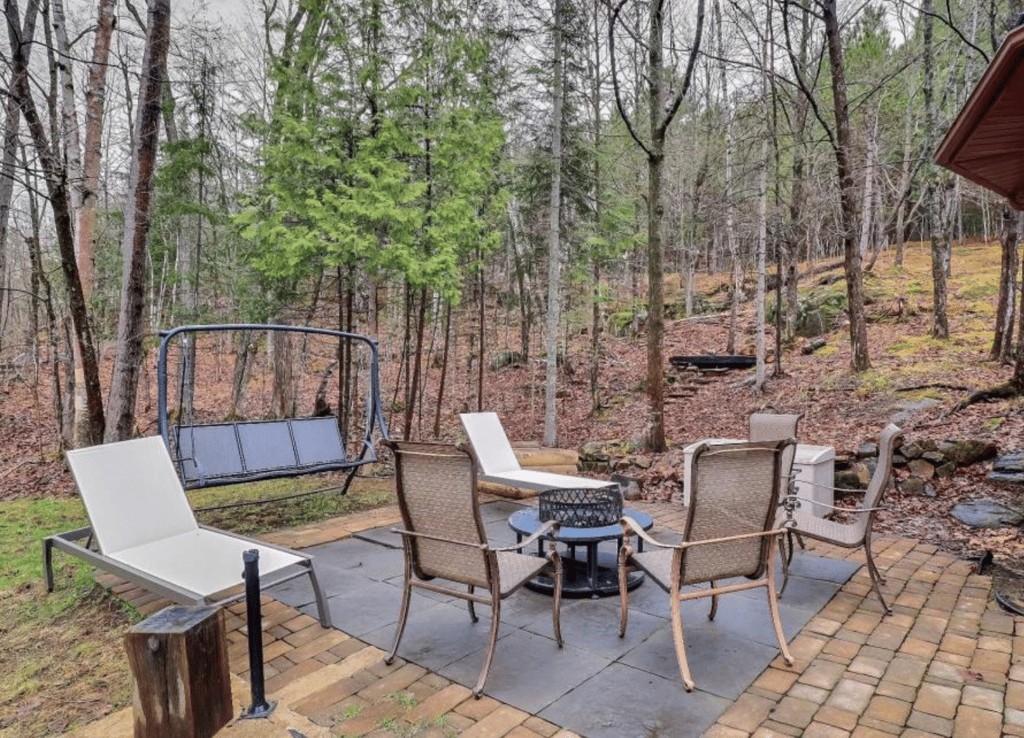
181 684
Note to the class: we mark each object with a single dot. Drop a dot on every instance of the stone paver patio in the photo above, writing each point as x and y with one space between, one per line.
947 662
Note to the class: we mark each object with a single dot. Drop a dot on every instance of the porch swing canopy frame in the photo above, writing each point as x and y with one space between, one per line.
232 452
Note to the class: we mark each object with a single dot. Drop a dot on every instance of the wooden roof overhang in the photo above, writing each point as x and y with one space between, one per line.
985 144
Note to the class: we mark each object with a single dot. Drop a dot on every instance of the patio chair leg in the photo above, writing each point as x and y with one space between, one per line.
773 607
677 637
871 558
876 578
714 602
478 690
321 603
624 554
472 607
556 604
786 554
402 615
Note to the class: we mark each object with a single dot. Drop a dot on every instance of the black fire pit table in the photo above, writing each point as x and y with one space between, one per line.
597 574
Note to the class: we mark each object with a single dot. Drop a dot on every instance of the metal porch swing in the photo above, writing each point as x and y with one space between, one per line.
210 450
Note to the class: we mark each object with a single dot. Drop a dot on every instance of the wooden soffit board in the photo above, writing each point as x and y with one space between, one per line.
985 144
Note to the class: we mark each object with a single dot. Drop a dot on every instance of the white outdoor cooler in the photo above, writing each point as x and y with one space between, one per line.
813 467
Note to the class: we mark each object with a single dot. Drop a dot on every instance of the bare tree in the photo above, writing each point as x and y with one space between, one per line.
554 237
939 242
1002 343
665 93
127 362
55 175
838 133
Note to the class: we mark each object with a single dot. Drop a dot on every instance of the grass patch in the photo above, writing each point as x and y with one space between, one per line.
23 525
62 662
366 493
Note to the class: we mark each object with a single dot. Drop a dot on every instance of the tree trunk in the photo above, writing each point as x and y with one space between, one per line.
762 218
480 334
244 350
939 245
554 240
68 115
127 361
595 307
730 227
416 361
444 368
282 396
859 359
55 175
797 228
1003 336
1018 357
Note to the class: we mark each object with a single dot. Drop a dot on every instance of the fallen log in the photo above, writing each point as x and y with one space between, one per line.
998 392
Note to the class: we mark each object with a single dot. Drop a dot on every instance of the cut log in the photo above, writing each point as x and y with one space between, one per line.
811 346
181 683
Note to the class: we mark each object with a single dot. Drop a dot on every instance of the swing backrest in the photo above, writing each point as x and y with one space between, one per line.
225 453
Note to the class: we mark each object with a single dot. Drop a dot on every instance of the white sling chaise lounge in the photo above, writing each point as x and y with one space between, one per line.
498 462
147 533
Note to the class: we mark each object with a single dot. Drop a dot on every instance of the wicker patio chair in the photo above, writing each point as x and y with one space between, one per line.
444 539
773 427
729 533
849 535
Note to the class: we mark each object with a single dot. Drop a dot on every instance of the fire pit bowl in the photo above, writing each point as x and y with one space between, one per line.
581 508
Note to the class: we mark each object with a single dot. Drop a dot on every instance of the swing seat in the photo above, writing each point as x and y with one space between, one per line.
228 453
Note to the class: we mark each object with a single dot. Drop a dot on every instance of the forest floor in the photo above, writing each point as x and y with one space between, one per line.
915 380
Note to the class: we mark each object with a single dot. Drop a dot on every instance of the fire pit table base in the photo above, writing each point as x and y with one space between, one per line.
577 582
594 575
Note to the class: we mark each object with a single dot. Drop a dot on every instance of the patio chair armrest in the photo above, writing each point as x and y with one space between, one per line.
416 534
809 483
630 526
728 539
549 528
800 499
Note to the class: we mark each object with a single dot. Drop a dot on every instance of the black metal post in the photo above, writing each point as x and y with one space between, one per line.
260 708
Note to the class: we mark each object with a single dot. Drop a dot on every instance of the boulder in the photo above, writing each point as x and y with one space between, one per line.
945 471
594 451
1008 468
911 450
968 451
912 486
921 469
867 451
850 478
503 359
987 513
631 488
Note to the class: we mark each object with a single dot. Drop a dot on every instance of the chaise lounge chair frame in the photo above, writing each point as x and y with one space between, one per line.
147 534
498 462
